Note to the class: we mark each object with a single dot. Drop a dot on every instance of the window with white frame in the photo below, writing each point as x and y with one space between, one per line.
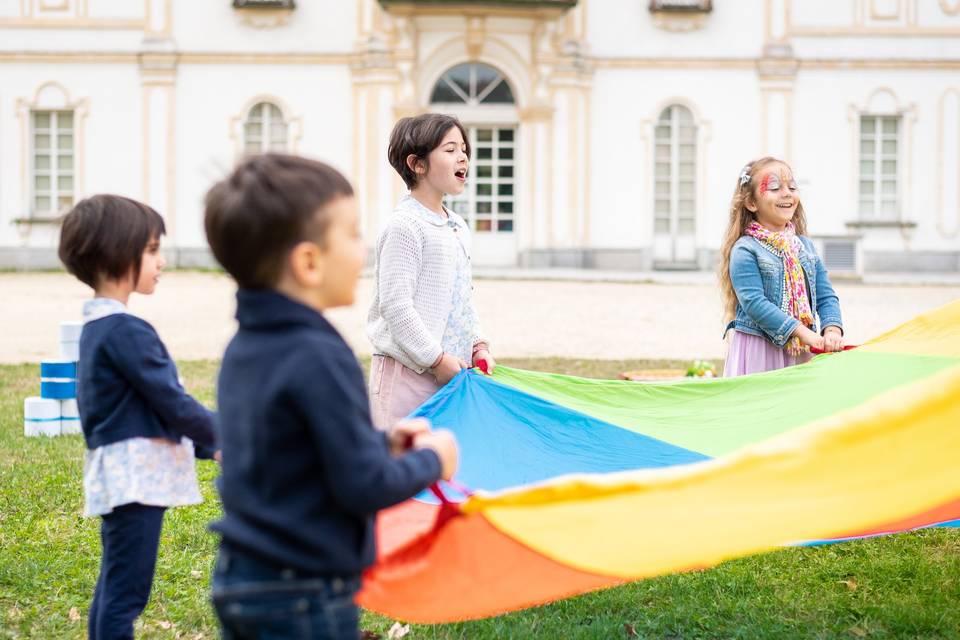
879 153
675 153
265 129
487 203
52 162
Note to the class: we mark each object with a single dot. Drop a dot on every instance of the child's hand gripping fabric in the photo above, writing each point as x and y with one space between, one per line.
482 358
808 340
832 339
416 433
446 368
444 445
402 435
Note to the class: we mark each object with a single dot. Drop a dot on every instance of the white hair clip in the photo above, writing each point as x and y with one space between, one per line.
744 177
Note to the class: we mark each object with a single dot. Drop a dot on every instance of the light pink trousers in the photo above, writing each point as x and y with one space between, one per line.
395 390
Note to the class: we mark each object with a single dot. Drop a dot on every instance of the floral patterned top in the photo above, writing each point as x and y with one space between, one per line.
150 471
458 337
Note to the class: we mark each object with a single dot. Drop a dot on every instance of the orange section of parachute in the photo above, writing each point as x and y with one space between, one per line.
423 581
944 513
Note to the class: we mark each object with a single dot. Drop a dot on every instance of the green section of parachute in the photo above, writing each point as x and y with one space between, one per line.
717 416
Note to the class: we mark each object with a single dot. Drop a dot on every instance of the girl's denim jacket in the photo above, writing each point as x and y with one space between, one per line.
758 280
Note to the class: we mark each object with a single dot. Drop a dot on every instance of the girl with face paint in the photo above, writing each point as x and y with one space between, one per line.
777 295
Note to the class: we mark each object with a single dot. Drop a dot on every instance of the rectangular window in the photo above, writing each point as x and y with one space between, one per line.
879 153
674 172
52 162
487 202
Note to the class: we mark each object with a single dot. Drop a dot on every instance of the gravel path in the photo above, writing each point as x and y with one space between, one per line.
193 312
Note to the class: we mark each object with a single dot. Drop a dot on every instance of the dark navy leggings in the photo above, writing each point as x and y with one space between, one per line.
130 535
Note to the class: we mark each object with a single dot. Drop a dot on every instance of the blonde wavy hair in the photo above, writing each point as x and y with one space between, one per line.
740 217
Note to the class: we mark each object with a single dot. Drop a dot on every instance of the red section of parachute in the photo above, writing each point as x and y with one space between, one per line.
423 579
816 351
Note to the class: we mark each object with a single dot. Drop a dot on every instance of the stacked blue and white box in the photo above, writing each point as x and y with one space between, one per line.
70 418
70 340
41 417
55 411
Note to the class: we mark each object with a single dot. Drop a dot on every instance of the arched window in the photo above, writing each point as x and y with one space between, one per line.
472 83
674 193
265 129
879 156
489 200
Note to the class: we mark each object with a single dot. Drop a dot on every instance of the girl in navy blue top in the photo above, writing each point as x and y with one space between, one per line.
141 428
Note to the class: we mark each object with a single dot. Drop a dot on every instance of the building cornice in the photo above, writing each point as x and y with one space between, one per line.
357 59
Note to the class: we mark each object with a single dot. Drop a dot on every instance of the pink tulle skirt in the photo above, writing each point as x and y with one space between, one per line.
753 354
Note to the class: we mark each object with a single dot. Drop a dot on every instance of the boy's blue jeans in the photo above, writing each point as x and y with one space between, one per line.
255 599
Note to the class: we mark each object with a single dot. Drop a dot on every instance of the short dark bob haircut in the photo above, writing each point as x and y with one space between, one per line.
419 135
269 204
104 237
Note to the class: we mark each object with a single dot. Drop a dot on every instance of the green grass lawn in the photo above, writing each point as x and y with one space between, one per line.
904 586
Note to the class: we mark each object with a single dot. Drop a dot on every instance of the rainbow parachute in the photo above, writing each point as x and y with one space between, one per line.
584 484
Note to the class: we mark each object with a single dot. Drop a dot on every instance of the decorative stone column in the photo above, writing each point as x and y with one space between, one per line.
373 91
568 229
158 74
536 190
556 133
777 71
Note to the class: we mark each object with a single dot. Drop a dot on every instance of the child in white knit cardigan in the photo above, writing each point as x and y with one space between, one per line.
422 322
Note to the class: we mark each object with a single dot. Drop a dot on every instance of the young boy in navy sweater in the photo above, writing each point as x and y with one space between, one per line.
141 428
304 471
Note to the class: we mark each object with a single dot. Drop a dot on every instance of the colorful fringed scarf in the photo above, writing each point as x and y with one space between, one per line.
796 303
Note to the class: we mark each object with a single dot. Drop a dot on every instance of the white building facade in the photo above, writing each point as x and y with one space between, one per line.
606 133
